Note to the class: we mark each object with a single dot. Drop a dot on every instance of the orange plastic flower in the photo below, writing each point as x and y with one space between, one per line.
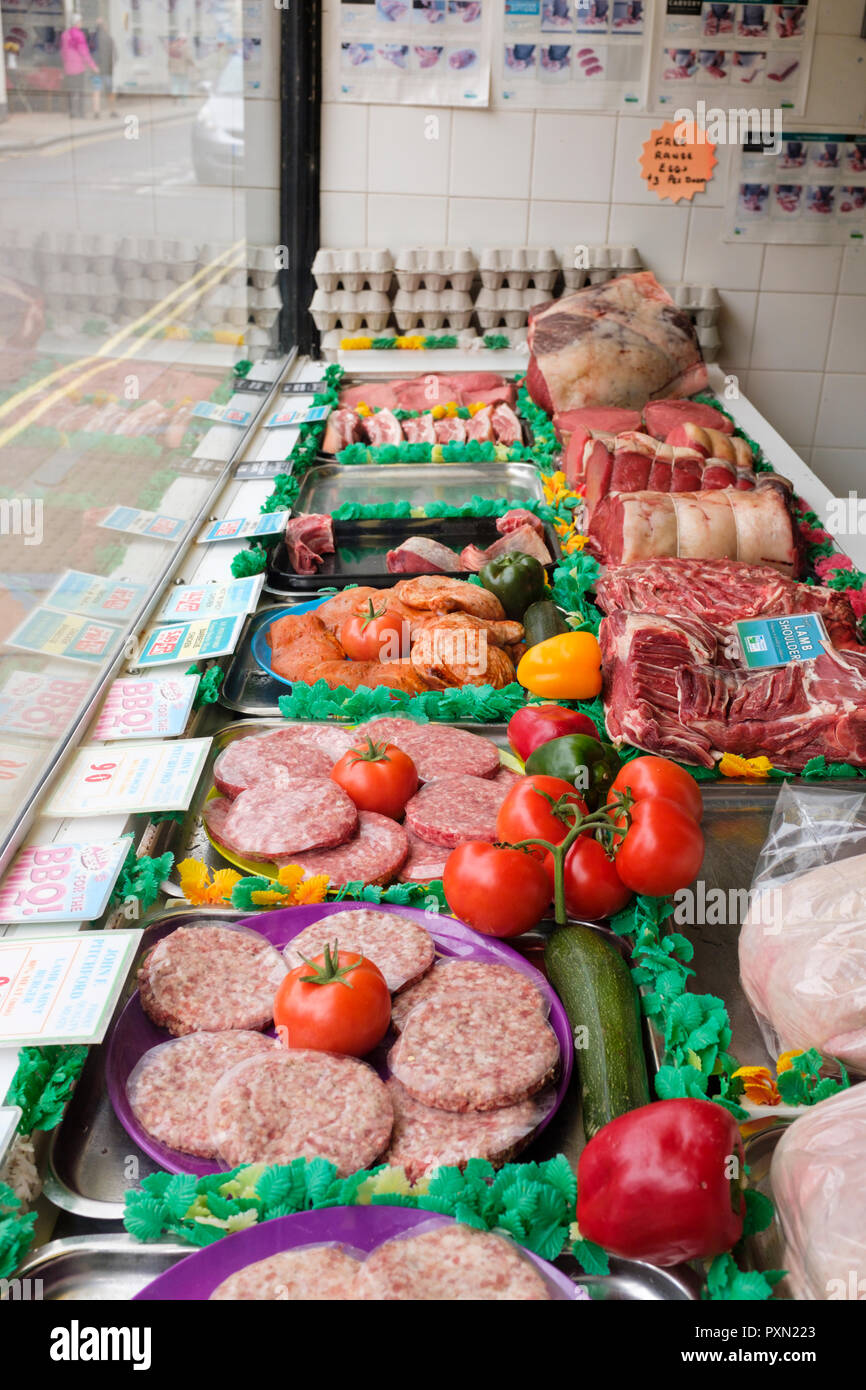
759 1085
197 886
313 891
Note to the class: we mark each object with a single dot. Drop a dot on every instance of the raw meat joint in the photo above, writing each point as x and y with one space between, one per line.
616 344
672 685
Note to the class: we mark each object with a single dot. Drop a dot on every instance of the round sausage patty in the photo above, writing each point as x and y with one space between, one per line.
469 1050
278 819
312 1274
424 861
453 1263
436 750
424 1138
453 809
400 946
168 1087
210 979
300 1104
375 855
304 750
449 975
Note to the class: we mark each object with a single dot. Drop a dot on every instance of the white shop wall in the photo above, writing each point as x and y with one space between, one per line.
793 323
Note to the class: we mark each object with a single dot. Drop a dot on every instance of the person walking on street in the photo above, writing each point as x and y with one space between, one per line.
76 58
104 51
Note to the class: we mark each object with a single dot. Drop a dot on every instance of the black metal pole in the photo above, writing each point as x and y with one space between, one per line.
300 150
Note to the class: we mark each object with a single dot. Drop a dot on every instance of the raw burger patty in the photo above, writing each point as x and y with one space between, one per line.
170 1085
424 1138
424 862
401 947
450 1263
300 1104
470 1050
450 975
453 809
209 979
304 750
436 751
374 856
276 820
313 1274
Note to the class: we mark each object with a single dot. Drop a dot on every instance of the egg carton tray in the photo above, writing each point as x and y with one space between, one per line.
355 269
594 263
518 267
436 268
350 310
507 306
429 310
702 303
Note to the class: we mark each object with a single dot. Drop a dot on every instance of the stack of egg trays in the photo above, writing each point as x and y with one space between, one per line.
703 305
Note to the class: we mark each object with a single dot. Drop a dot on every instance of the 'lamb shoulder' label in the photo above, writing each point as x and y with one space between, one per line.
779 641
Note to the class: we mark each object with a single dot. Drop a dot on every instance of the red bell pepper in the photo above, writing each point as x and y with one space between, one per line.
537 724
664 1183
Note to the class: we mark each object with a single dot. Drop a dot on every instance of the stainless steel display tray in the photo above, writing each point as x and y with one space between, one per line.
98 1268
327 486
107 1268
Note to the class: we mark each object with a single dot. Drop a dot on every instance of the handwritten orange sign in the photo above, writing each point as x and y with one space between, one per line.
677 162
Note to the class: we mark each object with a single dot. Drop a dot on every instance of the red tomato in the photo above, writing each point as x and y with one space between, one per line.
495 889
375 634
378 777
346 1008
663 848
525 814
659 777
593 888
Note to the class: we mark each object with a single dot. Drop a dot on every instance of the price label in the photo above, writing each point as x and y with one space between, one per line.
62 989
34 703
241 528
224 600
780 641
130 777
61 882
146 708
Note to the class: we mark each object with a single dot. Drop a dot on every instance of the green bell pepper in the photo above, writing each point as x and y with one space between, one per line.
516 579
587 763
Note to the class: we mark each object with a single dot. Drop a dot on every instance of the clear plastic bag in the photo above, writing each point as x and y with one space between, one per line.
803 941
817 1182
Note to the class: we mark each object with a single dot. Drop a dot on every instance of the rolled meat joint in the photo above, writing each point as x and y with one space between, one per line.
616 344
755 526
803 961
820 1197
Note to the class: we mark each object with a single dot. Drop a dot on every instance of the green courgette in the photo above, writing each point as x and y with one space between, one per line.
542 620
598 994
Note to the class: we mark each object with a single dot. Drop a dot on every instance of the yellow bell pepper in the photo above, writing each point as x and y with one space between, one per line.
566 667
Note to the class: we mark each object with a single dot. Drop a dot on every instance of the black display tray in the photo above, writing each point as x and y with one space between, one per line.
361 548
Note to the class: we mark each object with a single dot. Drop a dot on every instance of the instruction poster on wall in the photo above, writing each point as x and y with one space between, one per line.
806 188
733 55
573 54
418 52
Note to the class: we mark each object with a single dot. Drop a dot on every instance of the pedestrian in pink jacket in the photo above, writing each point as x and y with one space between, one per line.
77 61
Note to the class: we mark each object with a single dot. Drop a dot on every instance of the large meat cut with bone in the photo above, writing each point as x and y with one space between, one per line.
757 527
616 344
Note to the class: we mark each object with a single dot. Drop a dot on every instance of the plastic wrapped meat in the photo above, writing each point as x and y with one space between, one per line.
803 960
820 1196
616 344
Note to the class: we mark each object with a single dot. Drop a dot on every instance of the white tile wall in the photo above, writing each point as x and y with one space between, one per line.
793 319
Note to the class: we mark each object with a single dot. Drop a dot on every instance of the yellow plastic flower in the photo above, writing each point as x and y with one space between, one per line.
270 897
475 406
197 886
436 455
363 409
313 891
290 876
411 343
355 344
759 1085
451 410
438 412
574 543
177 331
786 1059
732 765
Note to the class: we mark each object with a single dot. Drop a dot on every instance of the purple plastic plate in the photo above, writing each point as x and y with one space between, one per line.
135 1034
361 1228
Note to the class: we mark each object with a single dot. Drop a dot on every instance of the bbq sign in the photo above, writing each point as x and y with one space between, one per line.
676 163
